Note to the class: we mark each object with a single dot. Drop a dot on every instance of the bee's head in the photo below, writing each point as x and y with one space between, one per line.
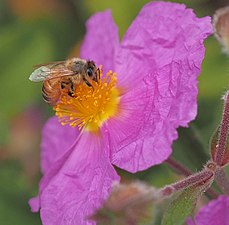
92 71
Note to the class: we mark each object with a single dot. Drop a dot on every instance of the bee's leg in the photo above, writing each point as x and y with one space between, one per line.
72 90
68 85
98 74
88 83
63 84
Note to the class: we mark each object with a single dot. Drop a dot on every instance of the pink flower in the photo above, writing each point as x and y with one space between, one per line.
130 118
216 212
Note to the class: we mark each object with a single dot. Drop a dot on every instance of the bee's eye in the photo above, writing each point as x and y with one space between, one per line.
89 72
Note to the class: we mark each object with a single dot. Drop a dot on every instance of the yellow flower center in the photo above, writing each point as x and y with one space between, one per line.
91 106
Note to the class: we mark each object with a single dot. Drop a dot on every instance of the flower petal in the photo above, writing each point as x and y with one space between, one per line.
56 140
77 184
157 64
142 134
101 40
164 39
216 212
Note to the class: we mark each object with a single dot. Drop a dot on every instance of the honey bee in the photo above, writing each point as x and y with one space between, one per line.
63 77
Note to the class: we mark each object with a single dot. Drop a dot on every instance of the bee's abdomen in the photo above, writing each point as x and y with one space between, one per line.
51 91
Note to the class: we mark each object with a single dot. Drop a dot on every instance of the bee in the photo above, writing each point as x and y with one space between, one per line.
63 77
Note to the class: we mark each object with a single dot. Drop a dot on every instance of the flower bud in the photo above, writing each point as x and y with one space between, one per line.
219 143
128 204
221 26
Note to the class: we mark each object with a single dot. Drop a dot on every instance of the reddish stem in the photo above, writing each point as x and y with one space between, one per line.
180 168
199 178
223 133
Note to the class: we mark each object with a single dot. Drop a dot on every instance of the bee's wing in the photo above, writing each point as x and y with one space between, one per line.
51 64
40 74
45 73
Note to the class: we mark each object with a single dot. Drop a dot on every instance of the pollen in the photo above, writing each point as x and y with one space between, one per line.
90 107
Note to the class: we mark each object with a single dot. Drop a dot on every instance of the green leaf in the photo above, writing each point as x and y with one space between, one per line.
182 206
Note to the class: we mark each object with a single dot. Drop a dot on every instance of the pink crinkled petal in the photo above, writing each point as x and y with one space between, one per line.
140 136
56 140
55 149
164 45
162 36
157 65
101 40
77 184
216 212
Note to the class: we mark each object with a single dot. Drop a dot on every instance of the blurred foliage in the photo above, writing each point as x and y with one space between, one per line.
34 32
14 194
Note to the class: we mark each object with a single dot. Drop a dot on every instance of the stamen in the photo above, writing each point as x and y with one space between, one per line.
91 106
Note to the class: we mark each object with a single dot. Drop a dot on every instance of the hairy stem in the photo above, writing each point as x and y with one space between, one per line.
200 179
182 169
223 133
179 167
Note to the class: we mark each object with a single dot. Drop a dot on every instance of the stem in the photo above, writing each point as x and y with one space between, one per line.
201 179
222 180
179 167
223 133
182 169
